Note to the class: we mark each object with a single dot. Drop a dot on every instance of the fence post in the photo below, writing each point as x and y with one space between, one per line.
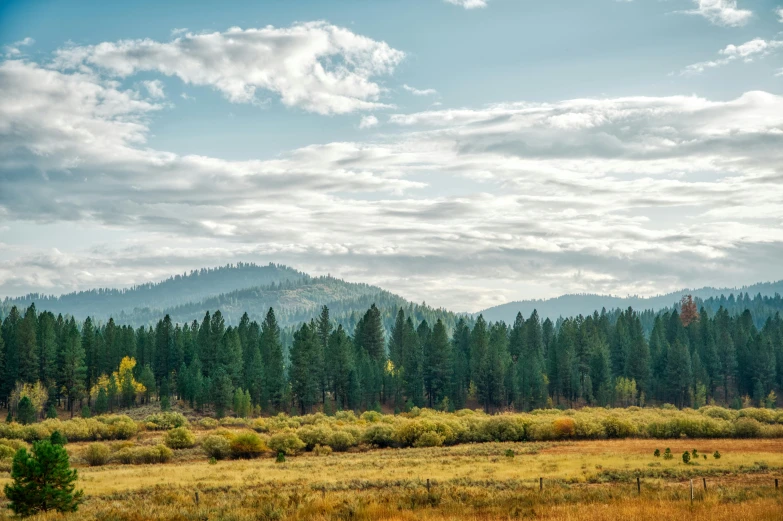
776 483
428 485
638 485
197 498
691 492
540 484
705 483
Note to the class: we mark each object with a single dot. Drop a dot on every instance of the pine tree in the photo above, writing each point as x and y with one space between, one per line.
27 346
73 372
25 411
222 391
272 356
42 481
305 383
343 370
412 371
436 364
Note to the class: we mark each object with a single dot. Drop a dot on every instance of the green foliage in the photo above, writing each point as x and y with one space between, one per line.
86 413
179 438
96 454
280 458
57 438
716 455
667 454
247 445
25 412
686 457
42 481
286 442
51 412
657 453
165 421
217 447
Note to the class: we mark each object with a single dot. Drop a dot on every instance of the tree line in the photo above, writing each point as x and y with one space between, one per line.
689 357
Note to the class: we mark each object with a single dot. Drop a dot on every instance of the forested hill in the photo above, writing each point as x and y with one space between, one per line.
584 304
178 290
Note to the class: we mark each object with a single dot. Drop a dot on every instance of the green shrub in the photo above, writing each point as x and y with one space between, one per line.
657 453
716 455
57 438
429 439
6 452
747 428
509 453
286 442
379 435
247 445
686 457
164 421
313 435
341 441
96 454
217 447
179 438
667 454
208 423
280 457
143 455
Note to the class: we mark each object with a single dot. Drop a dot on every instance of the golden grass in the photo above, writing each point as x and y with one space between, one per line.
585 480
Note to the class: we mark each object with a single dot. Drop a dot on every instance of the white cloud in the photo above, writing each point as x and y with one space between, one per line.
14 50
316 66
469 4
779 12
419 92
722 12
747 52
368 122
179 30
154 88
618 195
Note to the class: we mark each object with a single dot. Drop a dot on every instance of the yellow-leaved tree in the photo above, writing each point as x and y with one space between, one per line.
121 382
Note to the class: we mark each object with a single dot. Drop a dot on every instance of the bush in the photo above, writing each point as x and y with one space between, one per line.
667 454
142 455
179 438
657 453
321 450
280 457
165 421
217 447
247 445
6 452
686 457
286 442
716 455
341 441
747 428
208 423
96 454
429 439
379 435
564 427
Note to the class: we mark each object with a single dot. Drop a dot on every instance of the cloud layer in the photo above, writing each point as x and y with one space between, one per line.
722 12
465 207
316 66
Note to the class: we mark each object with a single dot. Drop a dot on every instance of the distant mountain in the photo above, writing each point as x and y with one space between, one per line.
573 305
234 290
174 291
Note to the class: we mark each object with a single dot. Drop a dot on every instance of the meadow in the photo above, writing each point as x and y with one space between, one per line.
475 475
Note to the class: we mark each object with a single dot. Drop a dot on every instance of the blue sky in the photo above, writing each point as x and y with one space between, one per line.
462 156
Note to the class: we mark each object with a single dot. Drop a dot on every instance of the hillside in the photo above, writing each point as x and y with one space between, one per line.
573 305
178 290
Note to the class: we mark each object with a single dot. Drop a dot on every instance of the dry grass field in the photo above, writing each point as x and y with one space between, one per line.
583 480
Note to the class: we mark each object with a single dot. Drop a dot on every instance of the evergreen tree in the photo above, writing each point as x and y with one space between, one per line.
25 411
305 383
42 481
27 346
73 372
436 364
272 356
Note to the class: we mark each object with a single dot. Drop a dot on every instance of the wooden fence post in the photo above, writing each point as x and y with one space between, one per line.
428 486
776 483
540 484
638 485
705 483
691 492
197 498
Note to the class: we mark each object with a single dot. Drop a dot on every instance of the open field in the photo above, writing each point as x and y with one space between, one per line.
582 480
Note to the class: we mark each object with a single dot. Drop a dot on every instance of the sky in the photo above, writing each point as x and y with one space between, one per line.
464 153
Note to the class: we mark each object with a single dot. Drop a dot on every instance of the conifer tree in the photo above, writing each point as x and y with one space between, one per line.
436 364
42 481
272 356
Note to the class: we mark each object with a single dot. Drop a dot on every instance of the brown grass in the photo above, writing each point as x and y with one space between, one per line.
588 480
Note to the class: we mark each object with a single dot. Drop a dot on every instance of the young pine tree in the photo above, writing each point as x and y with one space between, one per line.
42 481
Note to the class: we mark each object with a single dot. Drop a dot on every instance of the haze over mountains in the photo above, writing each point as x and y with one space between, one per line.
297 296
